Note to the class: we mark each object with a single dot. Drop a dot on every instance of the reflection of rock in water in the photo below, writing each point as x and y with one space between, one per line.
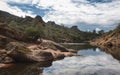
25 69
79 46
114 51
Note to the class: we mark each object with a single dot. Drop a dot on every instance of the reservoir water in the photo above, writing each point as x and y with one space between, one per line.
92 61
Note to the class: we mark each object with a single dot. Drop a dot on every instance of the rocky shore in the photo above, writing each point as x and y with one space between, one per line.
16 48
109 39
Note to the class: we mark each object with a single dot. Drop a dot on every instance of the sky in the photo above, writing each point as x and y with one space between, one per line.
86 14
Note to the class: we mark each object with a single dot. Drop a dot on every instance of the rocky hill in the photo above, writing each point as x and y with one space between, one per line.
10 19
16 47
36 27
60 33
109 39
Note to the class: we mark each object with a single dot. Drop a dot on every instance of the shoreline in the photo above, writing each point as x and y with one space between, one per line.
30 53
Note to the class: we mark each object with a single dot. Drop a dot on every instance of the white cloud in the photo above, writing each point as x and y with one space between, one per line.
21 1
71 11
97 29
14 10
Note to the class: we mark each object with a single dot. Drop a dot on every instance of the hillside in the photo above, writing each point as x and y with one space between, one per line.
64 34
10 19
109 39
36 27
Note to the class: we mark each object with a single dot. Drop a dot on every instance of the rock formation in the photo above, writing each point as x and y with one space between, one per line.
109 39
14 48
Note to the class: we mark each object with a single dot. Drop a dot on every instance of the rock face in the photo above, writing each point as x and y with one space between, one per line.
57 51
38 21
24 54
15 20
109 39
74 27
20 53
4 40
13 48
35 53
53 45
10 32
51 23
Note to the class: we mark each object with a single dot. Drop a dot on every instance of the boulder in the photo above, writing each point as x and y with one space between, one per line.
108 44
2 65
56 52
20 53
7 60
2 55
53 45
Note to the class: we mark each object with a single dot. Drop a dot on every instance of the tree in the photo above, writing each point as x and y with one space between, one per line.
118 27
101 32
34 32
94 31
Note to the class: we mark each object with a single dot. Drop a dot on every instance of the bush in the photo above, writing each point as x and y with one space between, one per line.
34 32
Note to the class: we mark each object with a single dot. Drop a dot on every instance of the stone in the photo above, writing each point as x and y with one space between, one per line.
20 53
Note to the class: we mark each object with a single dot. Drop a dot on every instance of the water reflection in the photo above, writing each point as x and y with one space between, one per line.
114 51
25 69
94 61
79 46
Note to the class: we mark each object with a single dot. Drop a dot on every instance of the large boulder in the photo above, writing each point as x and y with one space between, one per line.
20 53
58 51
60 55
53 45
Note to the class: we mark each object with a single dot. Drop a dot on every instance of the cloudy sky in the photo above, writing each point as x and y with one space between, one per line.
87 14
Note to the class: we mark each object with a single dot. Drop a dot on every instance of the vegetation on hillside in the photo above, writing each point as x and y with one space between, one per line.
36 27
110 38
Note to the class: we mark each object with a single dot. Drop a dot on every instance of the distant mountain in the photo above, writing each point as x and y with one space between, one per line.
36 27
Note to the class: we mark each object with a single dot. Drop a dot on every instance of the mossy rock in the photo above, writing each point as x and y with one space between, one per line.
22 49
19 47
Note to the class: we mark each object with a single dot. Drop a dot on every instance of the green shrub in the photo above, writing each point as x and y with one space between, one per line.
33 32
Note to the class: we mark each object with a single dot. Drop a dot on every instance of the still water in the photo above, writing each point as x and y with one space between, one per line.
93 61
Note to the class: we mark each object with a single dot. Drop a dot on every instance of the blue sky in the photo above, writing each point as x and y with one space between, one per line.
86 14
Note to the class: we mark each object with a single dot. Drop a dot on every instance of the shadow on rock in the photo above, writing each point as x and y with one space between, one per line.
26 69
